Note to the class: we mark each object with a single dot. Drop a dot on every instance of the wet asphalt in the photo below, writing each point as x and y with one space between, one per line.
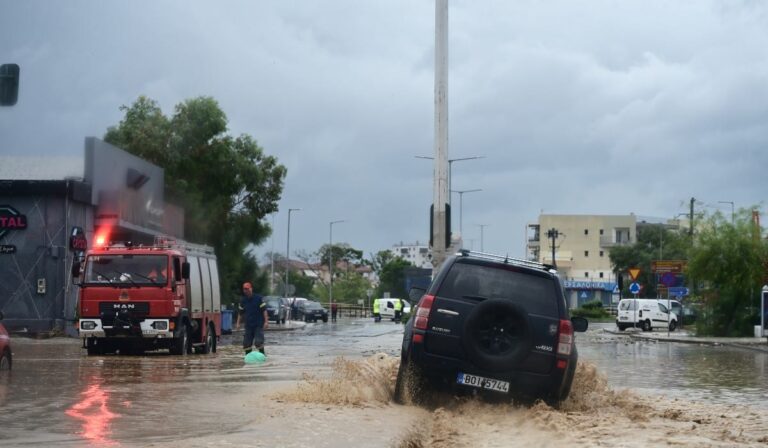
56 395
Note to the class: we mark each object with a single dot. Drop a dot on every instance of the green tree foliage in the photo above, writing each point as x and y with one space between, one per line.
227 185
340 252
654 242
348 287
391 272
728 260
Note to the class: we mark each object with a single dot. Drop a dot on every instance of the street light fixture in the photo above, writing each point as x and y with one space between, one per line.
461 207
288 251
450 163
330 262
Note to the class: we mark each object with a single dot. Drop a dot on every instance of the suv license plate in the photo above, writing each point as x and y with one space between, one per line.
482 382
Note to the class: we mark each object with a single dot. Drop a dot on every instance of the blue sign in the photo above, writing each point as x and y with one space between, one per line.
634 288
605 286
678 291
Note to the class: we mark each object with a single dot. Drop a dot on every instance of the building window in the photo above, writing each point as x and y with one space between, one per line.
602 253
586 275
601 231
586 231
586 253
601 275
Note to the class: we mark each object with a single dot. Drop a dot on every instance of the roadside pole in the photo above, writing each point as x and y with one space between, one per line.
669 313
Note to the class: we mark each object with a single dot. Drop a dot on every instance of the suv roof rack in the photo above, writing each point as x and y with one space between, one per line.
506 259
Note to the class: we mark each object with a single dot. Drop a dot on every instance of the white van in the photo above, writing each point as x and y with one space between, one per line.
387 307
646 314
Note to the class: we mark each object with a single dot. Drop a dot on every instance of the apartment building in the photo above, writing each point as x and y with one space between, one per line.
582 244
418 254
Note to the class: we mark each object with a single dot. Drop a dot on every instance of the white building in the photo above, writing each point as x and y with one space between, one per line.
418 254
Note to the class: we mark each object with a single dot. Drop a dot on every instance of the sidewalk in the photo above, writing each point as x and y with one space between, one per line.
760 344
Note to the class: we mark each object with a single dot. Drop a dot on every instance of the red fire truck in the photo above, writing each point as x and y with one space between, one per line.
135 298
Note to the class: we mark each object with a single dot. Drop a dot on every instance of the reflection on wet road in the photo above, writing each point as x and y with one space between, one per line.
58 395
701 373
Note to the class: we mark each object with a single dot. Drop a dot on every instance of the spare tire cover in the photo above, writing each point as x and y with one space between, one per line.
497 335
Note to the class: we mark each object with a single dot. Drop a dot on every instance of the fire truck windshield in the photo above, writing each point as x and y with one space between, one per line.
120 269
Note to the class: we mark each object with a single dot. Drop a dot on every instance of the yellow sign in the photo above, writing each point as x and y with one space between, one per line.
633 273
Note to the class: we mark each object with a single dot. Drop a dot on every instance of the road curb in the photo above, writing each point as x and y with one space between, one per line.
757 345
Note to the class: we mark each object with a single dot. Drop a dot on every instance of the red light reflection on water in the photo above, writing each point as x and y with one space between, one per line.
95 414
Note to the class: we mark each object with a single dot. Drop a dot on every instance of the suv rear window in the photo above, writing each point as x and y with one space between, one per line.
484 281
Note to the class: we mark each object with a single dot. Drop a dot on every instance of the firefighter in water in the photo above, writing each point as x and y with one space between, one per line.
256 319
376 314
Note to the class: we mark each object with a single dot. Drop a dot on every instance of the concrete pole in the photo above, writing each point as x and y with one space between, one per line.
440 188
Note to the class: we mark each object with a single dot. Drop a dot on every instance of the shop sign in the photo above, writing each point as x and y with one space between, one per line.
11 219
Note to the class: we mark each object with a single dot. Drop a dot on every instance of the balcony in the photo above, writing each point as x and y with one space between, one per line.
608 241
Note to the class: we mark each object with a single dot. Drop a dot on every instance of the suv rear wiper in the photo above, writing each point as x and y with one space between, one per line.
469 296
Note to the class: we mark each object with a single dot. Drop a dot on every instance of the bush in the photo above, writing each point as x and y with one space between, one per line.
591 310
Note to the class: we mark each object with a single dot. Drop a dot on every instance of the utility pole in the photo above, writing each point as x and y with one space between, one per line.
690 228
482 226
288 252
440 231
553 234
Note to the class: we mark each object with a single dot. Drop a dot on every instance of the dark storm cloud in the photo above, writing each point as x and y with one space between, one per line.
595 107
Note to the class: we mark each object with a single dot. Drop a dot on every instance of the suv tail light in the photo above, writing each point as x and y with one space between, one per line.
565 342
422 312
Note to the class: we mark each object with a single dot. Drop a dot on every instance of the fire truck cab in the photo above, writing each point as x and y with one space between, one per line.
135 298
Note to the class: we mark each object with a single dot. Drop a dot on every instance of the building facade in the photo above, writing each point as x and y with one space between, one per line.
582 244
417 254
59 207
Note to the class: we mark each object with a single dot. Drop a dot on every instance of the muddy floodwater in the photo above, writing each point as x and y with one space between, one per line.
329 385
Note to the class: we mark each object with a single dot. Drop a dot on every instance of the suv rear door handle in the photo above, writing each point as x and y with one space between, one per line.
448 312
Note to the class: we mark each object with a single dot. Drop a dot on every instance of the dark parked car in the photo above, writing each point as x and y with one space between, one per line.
491 325
277 310
310 311
6 358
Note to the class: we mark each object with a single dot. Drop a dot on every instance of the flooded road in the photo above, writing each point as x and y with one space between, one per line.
330 385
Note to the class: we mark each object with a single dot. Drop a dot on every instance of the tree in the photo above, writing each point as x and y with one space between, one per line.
654 242
728 260
348 287
227 185
391 272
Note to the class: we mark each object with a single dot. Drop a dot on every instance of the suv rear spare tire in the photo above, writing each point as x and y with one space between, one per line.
497 335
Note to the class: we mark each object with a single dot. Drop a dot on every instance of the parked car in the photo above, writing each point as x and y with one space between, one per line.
387 308
293 306
310 311
490 325
276 309
6 356
646 314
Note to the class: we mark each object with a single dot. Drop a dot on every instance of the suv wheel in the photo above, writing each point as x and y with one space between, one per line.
410 386
497 334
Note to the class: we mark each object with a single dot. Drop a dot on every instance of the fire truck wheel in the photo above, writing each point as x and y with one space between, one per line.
94 348
209 344
180 345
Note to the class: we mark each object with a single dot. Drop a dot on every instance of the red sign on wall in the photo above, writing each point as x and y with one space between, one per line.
11 219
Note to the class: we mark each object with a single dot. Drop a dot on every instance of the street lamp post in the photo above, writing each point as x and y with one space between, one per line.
482 226
461 207
272 259
288 251
330 263
450 163
732 211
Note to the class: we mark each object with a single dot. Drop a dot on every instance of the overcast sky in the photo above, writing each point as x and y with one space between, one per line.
579 107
